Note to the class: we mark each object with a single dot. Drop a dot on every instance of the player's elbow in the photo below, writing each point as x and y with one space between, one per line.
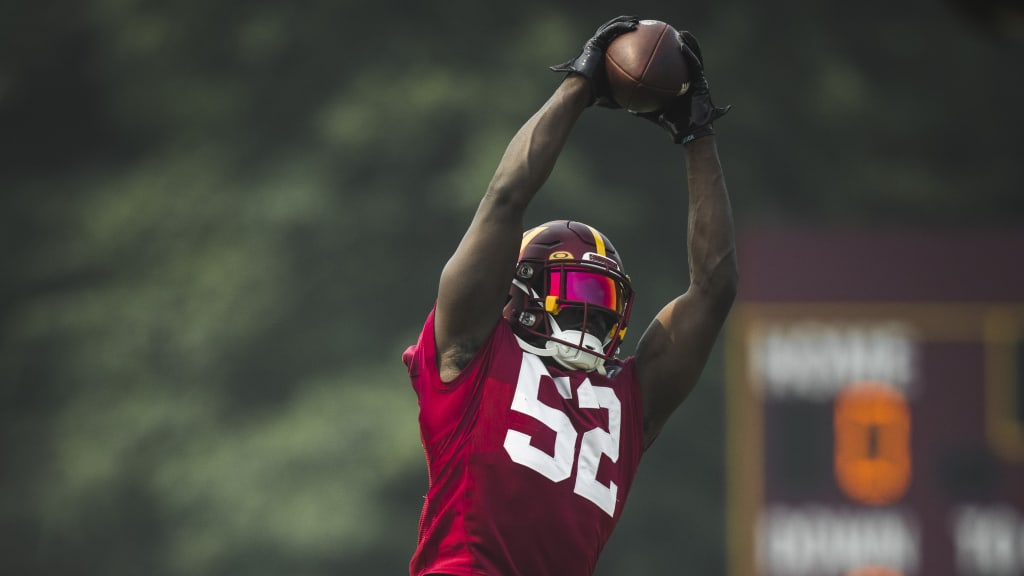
722 284
504 199
730 278
725 292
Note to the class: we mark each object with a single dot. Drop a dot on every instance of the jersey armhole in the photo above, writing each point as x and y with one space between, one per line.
629 371
424 368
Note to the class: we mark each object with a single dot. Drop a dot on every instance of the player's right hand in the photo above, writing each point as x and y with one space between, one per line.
691 115
590 61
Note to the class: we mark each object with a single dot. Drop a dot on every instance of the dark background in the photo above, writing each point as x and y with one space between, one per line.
221 222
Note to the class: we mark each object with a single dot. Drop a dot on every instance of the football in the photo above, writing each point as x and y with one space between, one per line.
645 67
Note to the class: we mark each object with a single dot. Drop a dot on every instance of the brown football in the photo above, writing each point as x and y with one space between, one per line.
646 67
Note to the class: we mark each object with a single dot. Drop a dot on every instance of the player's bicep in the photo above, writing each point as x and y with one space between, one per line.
474 284
672 354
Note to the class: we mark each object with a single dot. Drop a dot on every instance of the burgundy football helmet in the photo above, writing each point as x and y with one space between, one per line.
570 298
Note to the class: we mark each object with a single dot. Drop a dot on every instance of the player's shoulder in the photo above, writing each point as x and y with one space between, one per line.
423 359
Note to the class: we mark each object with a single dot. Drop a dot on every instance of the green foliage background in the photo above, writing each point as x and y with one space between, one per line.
222 222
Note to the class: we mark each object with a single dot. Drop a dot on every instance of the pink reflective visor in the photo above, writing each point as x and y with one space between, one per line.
579 286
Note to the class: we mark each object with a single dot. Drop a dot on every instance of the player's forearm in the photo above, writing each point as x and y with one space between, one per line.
475 281
533 151
711 241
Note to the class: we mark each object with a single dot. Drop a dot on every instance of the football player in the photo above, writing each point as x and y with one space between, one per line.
532 424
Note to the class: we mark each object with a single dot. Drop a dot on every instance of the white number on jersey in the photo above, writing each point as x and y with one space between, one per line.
596 442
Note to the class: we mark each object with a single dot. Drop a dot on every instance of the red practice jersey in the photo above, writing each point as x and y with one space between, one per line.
529 464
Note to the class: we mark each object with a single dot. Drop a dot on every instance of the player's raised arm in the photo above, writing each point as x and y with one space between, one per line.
673 351
476 279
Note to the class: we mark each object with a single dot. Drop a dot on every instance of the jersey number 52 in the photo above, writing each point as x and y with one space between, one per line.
559 466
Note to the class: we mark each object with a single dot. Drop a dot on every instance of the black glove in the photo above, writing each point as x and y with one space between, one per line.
590 62
689 116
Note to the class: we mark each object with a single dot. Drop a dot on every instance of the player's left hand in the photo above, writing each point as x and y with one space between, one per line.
590 61
691 115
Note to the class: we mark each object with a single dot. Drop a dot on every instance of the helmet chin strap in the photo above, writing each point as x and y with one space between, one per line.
575 358
568 356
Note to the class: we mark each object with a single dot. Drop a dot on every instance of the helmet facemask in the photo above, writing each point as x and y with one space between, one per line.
574 311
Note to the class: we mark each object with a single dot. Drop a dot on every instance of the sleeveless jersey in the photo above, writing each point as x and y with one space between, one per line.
529 464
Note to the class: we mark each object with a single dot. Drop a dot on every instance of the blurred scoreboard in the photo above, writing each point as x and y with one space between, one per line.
876 405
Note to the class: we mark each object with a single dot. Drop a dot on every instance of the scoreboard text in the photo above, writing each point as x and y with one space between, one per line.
876 407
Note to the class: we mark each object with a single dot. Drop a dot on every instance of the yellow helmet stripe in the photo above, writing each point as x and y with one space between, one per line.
530 235
598 241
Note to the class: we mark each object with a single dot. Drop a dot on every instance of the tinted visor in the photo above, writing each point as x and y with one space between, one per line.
568 284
